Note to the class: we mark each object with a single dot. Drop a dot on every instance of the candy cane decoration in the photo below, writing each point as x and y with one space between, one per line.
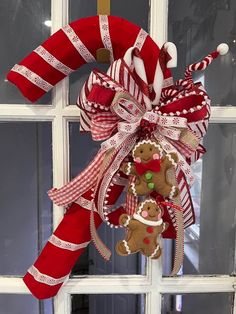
187 83
222 49
159 80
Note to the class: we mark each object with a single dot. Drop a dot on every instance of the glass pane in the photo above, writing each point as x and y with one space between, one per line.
80 9
122 8
19 304
197 27
207 303
213 236
108 304
23 28
91 262
26 175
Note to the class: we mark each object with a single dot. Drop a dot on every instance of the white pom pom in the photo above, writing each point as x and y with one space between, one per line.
223 49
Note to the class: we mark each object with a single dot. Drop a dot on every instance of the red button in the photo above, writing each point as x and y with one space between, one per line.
149 229
146 241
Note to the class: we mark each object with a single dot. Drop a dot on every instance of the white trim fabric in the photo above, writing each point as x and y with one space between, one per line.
50 281
53 61
66 245
32 77
105 34
148 222
77 43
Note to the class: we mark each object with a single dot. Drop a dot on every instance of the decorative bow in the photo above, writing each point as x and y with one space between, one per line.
125 119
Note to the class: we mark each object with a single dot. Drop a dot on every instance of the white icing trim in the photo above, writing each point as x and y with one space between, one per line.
66 245
32 77
78 44
155 251
171 160
148 222
127 222
149 200
53 61
132 185
105 34
148 142
172 192
43 278
128 171
126 247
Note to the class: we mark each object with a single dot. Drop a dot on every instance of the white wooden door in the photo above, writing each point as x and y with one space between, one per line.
30 165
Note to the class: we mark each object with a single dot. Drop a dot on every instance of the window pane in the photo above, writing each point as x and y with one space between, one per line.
26 175
80 9
207 303
197 27
108 304
91 262
19 304
213 236
22 30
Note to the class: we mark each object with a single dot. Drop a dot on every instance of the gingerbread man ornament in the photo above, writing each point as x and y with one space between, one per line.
150 168
143 227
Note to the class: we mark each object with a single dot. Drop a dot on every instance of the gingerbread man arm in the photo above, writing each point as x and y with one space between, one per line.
128 222
128 168
169 160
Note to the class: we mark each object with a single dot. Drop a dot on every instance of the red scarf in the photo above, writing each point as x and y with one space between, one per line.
154 165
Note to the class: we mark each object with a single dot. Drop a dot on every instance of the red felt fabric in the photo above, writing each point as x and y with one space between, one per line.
101 95
28 89
56 262
153 165
123 35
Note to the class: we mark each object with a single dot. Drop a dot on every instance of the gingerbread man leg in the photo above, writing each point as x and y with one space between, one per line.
165 189
125 248
151 250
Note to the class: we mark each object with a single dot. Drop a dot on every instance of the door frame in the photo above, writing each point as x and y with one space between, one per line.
153 285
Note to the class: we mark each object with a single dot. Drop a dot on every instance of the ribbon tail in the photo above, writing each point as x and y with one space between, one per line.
80 184
179 250
99 244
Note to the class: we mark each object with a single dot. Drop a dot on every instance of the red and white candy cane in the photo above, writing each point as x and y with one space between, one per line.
187 83
222 49
61 54
76 44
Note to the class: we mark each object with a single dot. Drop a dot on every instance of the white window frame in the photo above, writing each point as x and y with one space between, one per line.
153 285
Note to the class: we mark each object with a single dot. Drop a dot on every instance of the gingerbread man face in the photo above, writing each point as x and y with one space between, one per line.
146 150
149 210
